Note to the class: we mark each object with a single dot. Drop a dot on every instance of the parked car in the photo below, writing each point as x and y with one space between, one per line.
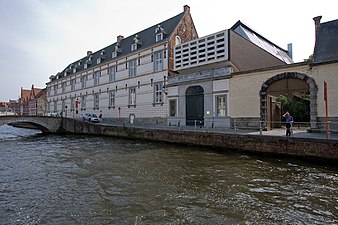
91 117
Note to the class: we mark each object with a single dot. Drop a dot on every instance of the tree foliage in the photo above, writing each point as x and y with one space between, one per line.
297 106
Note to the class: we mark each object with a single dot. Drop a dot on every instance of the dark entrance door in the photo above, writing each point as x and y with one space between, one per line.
195 106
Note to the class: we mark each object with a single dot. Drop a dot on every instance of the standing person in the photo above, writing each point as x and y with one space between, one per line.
288 123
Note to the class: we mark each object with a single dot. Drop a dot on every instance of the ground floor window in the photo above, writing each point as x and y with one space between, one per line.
96 101
83 102
132 96
111 98
173 107
221 102
158 94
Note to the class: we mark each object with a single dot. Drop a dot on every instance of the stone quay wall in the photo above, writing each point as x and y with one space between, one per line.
272 145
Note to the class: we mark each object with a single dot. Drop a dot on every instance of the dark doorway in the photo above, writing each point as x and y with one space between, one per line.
195 106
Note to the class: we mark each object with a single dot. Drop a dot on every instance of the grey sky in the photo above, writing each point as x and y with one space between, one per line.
41 37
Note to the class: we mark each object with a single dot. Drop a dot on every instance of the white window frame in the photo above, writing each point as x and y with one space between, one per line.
83 81
158 93
133 47
158 62
83 102
112 99
221 105
132 96
96 101
98 60
114 54
159 37
72 84
111 72
132 68
96 77
63 87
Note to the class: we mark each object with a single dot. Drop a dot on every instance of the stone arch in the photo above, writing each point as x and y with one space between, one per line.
313 95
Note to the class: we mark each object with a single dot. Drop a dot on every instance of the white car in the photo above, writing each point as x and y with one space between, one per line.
91 117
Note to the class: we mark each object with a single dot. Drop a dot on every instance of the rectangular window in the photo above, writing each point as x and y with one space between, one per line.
63 105
132 68
72 85
55 106
158 93
221 102
111 73
83 81
72 104
96 77
158 64
63 86
172 107
83 102
96 101
112 99
132 96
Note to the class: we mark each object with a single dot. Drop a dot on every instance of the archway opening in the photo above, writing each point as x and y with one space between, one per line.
293 92
194 106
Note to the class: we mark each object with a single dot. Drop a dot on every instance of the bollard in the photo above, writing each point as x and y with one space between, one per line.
212 124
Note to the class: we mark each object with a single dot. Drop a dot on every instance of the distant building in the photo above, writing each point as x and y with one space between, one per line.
28 101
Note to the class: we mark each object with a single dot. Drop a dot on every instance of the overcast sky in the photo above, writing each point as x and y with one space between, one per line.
40 38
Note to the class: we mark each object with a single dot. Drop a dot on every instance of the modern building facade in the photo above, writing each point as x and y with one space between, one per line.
198 94
126 80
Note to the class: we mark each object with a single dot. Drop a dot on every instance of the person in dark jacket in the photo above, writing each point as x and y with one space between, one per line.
288 123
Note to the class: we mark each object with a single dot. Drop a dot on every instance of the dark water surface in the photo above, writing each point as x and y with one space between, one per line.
48 179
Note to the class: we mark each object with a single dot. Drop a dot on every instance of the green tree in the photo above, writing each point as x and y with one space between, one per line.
298 106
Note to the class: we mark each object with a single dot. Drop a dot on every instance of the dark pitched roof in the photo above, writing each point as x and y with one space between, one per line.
254 37
147 37
326 48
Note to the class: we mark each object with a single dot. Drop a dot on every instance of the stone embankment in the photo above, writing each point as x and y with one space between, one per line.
275 145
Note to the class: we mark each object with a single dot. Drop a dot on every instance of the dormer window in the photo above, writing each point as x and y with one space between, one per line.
136 43
74 70
90 58
98 61
85 66
102 52
159 37
159 33
114 54
79 63
133 47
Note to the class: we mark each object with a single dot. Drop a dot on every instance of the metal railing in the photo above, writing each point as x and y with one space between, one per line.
277 128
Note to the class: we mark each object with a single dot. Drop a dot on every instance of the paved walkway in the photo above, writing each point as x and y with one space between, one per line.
297 133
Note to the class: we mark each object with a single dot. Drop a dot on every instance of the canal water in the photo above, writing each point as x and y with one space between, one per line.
49 179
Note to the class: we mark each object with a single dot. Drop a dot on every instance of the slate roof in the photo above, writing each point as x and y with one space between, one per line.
254 37
147 38
326 48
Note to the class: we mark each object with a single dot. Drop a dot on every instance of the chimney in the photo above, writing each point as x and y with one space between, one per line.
186 9
119 38
317 24
290 50
89 53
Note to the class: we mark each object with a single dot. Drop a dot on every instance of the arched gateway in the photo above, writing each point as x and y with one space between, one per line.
289 75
